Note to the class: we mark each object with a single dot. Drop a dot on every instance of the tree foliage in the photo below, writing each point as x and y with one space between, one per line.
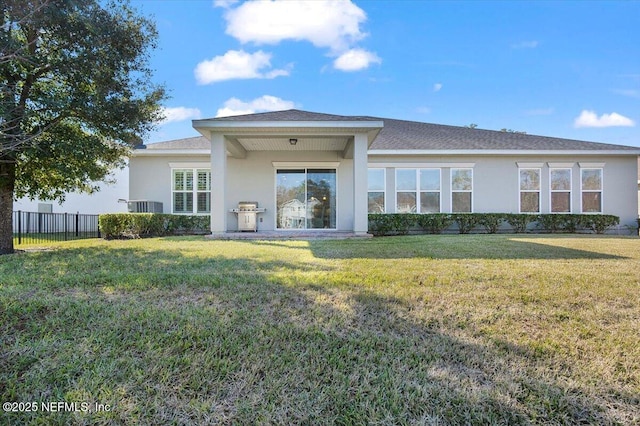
76 93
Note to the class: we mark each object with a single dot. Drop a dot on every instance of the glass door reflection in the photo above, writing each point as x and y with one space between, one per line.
306 199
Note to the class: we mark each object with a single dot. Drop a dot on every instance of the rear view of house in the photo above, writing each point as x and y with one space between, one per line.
317 171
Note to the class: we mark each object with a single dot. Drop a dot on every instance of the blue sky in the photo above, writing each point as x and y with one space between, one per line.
565 69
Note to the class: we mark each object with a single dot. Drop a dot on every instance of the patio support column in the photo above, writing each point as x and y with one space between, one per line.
218 184
360 173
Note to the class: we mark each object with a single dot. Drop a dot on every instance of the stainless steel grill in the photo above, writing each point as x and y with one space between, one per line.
247 212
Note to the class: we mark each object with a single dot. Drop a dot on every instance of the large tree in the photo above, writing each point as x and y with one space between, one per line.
76 93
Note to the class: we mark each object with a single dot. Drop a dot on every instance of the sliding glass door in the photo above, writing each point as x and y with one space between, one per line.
306 198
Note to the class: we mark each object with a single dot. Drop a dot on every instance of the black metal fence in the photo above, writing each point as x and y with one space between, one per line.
35 228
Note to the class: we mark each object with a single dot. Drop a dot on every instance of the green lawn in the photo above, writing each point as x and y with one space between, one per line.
457 329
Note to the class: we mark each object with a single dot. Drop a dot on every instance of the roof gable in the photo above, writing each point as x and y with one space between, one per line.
291 115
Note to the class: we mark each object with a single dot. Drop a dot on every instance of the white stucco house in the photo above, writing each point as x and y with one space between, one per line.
108 199
316 171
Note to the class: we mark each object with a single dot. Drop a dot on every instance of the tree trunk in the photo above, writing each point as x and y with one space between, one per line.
7 184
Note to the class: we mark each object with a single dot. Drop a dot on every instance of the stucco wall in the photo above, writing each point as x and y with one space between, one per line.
254 179
150 177
248 179
496 181
103 201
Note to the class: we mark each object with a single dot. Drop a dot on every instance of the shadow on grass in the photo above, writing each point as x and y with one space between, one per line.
233 340
450 247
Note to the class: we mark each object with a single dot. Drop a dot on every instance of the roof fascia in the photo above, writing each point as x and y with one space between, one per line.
248 128
510 152
214 124
169 152
399 152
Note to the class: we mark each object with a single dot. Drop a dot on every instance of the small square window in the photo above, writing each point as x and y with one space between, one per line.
592 202
530 202
429 202
461 202
406 202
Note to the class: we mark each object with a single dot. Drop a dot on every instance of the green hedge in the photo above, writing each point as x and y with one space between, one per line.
436 223
137 225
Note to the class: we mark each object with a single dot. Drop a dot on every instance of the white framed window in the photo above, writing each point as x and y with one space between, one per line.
461 190
376 190
560 188
591 190
191 191
418 190
430 190
529 190
406 191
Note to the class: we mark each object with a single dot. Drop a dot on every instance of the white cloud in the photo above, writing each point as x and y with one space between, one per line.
330 24
355 60
325 23
437 87
235 106
237 64
530 44
591 119
423 110
179 114
224 3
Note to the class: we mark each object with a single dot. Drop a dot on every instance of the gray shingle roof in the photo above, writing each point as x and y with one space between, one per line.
401 134
197 142
413 135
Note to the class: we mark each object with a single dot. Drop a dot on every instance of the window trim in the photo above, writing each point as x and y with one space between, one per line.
413 191
421 191
570 191
452 191
601 191
520 190
194 191
384 188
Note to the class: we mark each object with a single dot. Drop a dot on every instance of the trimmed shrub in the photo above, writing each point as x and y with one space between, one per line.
491 221
434 223
573 222
599 223
466 221
138 225
552 222
519 222
391 223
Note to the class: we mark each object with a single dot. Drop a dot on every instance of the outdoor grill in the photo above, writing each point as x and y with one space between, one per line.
247 212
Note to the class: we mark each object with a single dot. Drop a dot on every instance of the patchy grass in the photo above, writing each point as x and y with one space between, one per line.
474 329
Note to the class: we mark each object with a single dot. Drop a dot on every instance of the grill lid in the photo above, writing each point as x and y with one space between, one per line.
247 205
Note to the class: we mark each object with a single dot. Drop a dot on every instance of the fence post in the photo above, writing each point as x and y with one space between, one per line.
65 226
19 227
77 219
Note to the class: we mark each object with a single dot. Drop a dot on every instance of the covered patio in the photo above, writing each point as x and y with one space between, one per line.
288 235
307 170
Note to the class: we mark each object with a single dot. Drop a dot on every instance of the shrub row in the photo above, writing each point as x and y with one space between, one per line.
437 223
137 225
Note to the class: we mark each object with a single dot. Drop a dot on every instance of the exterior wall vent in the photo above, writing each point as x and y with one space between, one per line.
144 206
